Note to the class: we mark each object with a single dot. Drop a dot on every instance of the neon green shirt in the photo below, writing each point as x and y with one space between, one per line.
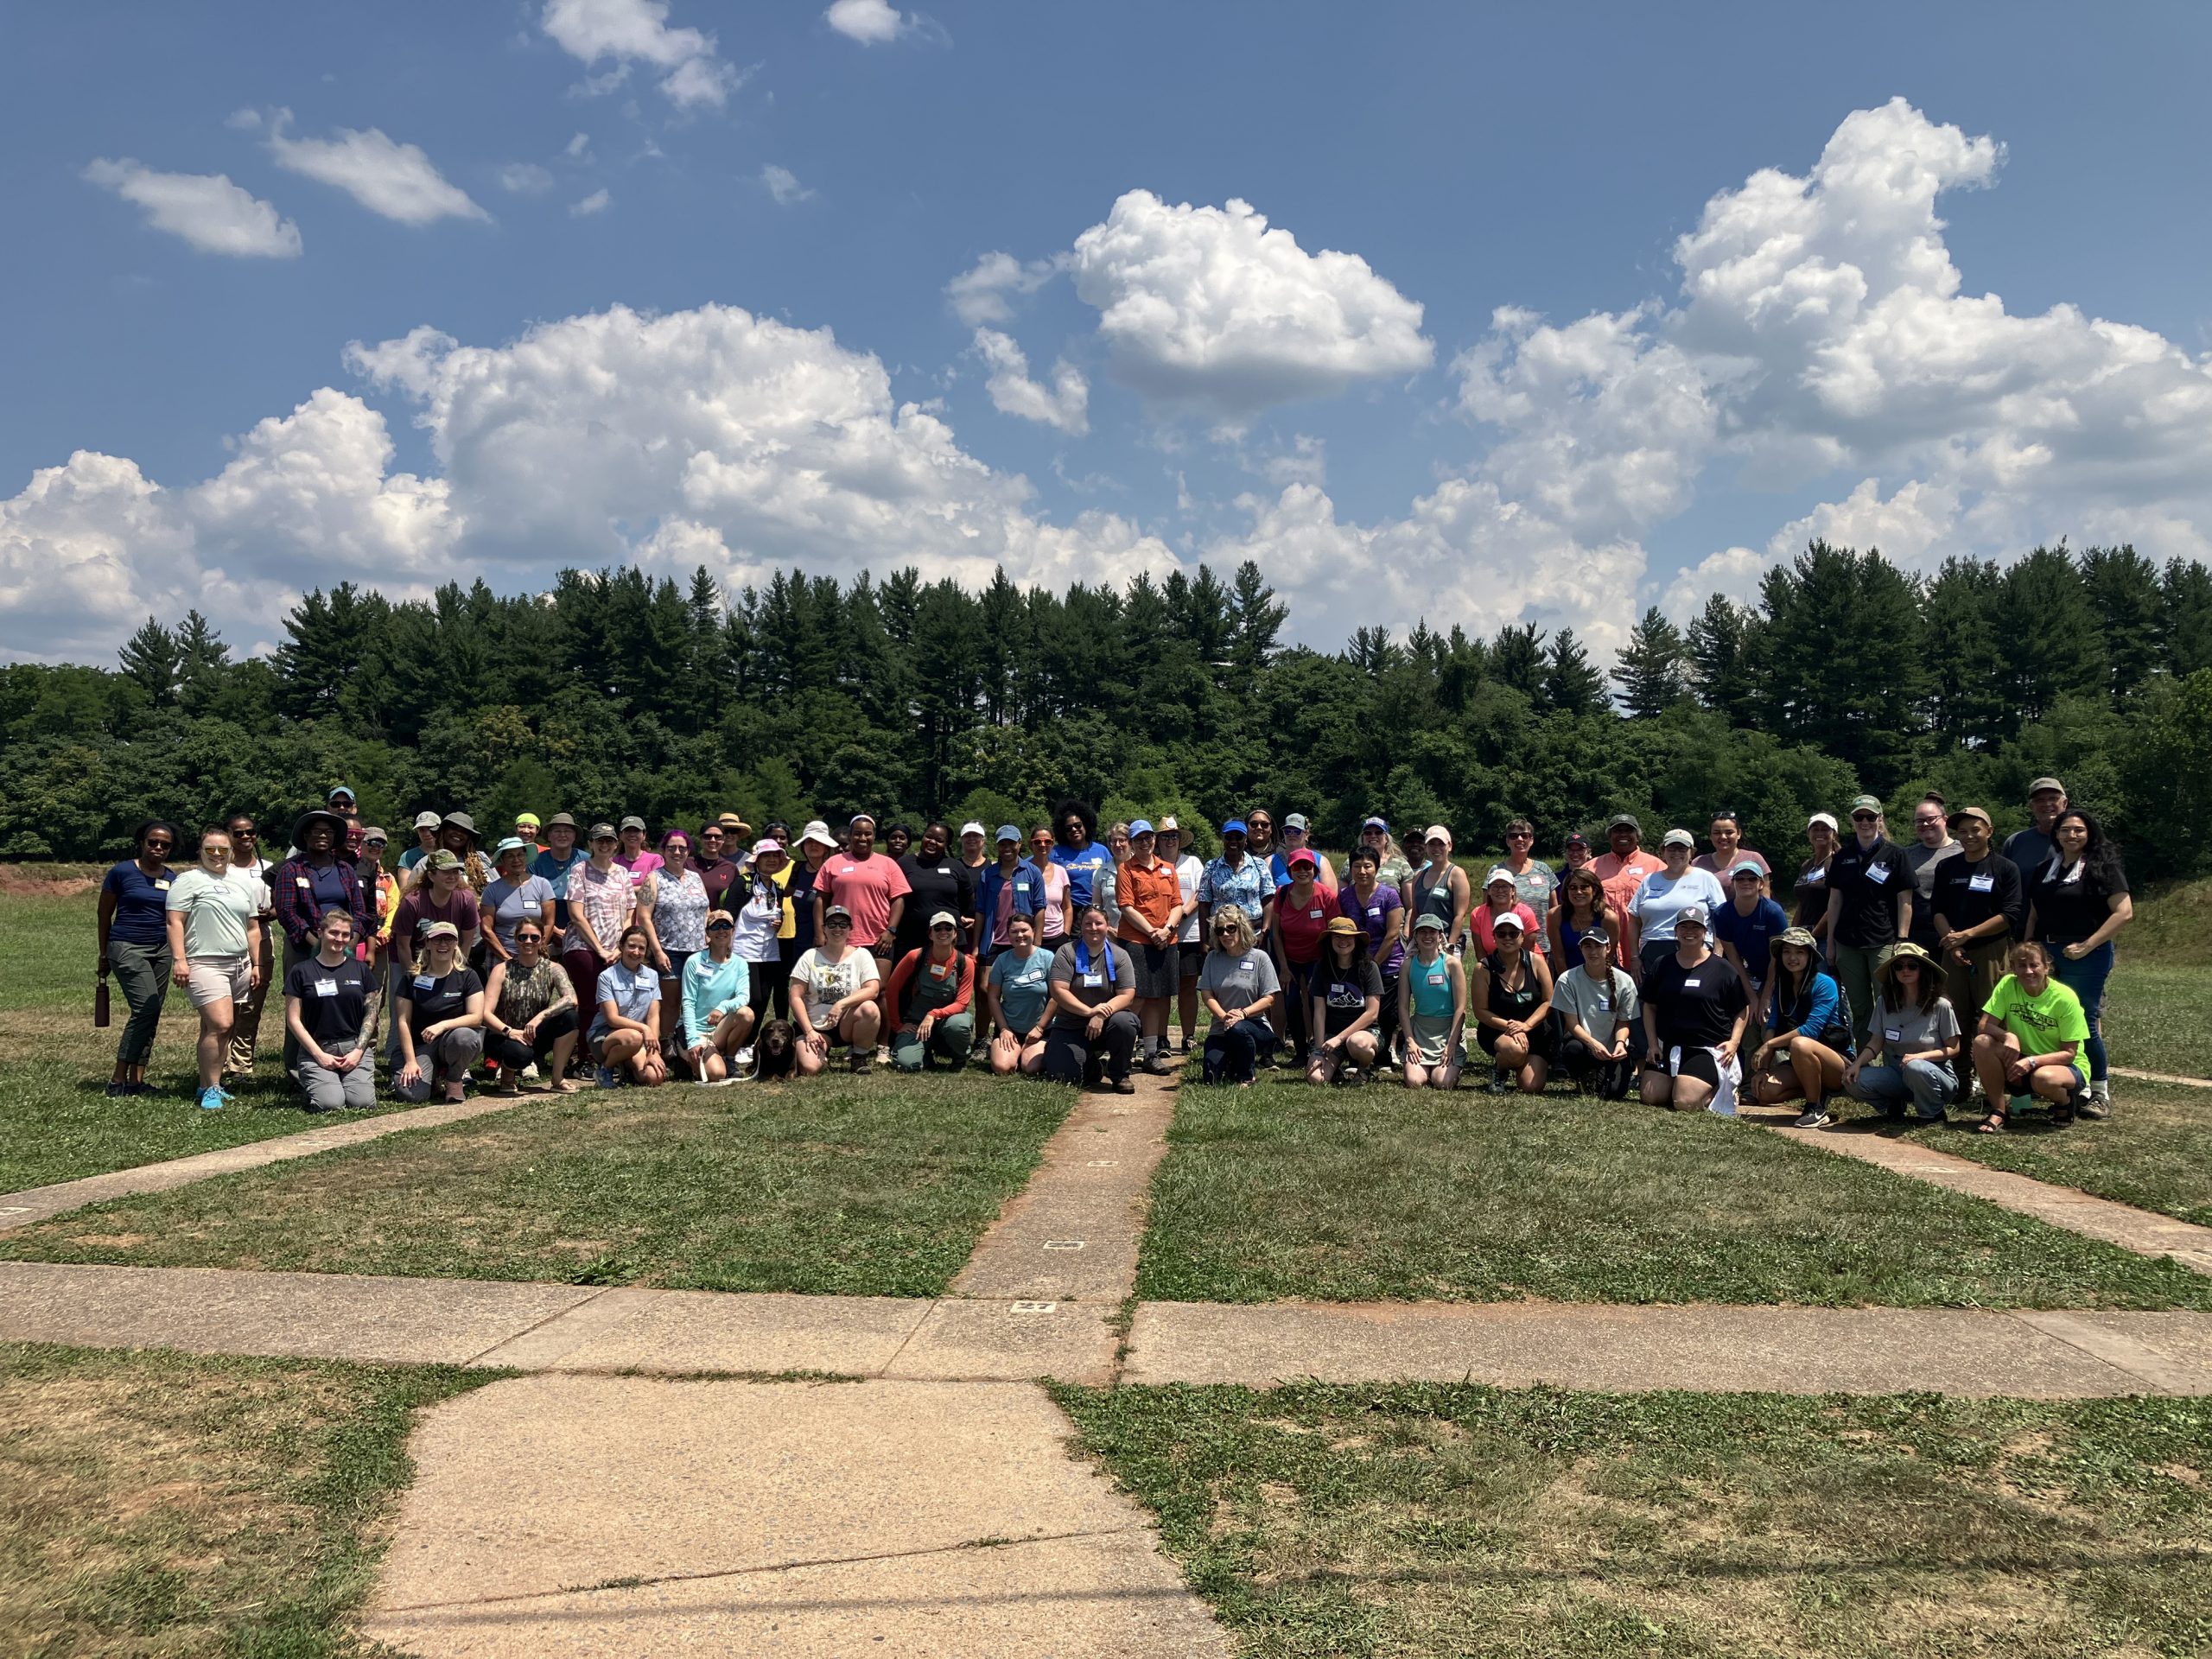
2044 1024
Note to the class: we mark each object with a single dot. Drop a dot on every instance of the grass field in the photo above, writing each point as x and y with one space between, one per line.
1283 1190
1427 1520
158 1503
858 1187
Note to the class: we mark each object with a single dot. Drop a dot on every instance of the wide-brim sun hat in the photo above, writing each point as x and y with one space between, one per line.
512 844
426 820
460 821
308 819
1343 924
818 833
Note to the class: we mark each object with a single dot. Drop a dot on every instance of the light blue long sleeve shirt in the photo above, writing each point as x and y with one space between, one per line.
711 989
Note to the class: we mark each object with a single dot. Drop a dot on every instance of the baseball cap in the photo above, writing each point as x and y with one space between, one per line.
718 919
1142 827
1828 818
1971 813
1498 872
1864 804
818 833
602 832
1437 832
427 820
343 788
2042 784
634 822
1576 838
1383 824
1598 935
561 820
1301 856
530 818
1624 821
1296 821
443 860
1692 913
437 931
971 828
1008 832
834 911
944 918
1749 868
373 835
1428 920
1499 923
1234 827
1678 838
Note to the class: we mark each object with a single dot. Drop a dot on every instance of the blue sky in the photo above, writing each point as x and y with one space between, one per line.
1365 427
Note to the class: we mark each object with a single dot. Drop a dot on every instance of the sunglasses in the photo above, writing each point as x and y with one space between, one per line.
1865 818
1518 834
376 841
532 939
837 921
243 832
720 927
942 927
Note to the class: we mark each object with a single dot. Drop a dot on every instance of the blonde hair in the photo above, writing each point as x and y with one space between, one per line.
1232 918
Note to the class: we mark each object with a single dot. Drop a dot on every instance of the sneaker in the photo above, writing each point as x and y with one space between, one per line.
608 1077
118 1090
1126 1086
1817 1118
743 1057
212 1100
2093 1106
1159 1065
1498 1084
860 1064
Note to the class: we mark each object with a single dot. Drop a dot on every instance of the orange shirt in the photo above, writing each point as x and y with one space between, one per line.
1147 897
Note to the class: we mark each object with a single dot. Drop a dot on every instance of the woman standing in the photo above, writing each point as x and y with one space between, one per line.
1912 1042
1663 895
834 997
635 856
1439 888
325 1017
815 843
602 900
718 1020
1077 850
214 936
1296 832
1810 909
1432 1007
531 1013
1019 988
134 935
2077 903
1696 1006
1808 1051
1347 1003
1238 985
764 924
1058 911
2033 1030
441 1018
1303 912
626 1031
932 998
672 909
1581 908
1512 998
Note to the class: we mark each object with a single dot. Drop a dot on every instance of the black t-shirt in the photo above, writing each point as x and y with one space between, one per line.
938 884
1344 992
1695 1007
801 894
1870 879
332 1001
434 1000
2069 906
1967 895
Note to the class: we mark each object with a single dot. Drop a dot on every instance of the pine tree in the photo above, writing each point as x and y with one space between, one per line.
2187 586
1572 684
151 658
201 658
2123 590
1256 619
1721 672
1652 670
1964 705
2054 639
1516 659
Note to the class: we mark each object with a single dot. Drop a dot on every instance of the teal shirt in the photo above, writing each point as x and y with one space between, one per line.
711 989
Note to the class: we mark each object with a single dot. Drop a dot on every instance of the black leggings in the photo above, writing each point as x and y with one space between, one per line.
1071 1058
768 990
513 1053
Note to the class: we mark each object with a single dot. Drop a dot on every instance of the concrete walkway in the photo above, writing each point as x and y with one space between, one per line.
2161 1077
574 1330
37 1203
574 1515
2140 1231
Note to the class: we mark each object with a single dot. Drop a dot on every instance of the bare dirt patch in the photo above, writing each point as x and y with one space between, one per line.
50 881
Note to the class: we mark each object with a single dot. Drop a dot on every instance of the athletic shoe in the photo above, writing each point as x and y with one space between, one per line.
744 1056
211 1100
1498 1084
1817 1118
1126 1086
861 1063
1159 1065
118 1090
608 1077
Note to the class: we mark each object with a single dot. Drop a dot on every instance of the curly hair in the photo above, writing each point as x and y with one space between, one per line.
1073 809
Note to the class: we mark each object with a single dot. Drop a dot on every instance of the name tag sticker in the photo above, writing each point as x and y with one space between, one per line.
1605 1005
1021 886
1981 884
301 882
1692 983
1311 915
162 885
1877 872
1375 912
1893 1036
1248 966
326 988
1092 981
424 983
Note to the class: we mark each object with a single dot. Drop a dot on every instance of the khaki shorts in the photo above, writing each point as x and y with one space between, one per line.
213 978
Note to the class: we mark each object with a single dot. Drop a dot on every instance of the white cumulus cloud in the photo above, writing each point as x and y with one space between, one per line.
1211 307
395 180
1064 404
869 22
594 203
783 184
978 295
627 32
525 179
207 210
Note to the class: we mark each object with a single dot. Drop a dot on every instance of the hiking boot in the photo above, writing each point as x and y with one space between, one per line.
1126 1086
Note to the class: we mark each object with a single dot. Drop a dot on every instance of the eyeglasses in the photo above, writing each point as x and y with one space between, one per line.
836 921
159 846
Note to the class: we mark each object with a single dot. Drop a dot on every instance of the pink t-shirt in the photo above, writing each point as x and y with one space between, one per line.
865 886
1302 924
642 865
1053 920
1480 925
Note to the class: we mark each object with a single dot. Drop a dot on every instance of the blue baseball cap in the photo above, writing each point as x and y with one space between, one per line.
1234 827
1142 827
343 790
1008 832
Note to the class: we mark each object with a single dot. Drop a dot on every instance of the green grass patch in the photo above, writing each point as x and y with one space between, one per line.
56 1121
1285 1191
1441 1520
856 1186
2157 1017
157 1502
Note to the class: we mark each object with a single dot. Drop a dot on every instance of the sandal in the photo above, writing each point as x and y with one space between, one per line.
1993 1124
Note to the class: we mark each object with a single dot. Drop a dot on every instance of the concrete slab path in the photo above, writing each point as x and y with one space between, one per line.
2160 1076
37 1203
1072 1234
1718 1349
570 1515
2140 1231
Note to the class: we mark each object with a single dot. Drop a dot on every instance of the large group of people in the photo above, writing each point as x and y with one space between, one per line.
1908 974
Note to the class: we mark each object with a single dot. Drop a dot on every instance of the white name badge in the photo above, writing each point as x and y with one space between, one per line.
1092 981
162 885
1021 886
1692 983
1893 1036
425 982
1375 912
1877 872
1248 966
1605 1005
1311 915
1981 884
326 988
301 882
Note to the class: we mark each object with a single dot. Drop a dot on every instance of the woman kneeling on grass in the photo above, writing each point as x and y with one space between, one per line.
1695 1008
440 1017
1238 985
1805 1056
1432 1007
1019 989
1347 1000
326 1006
2030 1046
626 1031
1913 1040
531 1013
214 927
932 993
1512 996
718 1013
833 991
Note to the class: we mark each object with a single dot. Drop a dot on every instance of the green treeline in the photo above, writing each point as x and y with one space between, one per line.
620 693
